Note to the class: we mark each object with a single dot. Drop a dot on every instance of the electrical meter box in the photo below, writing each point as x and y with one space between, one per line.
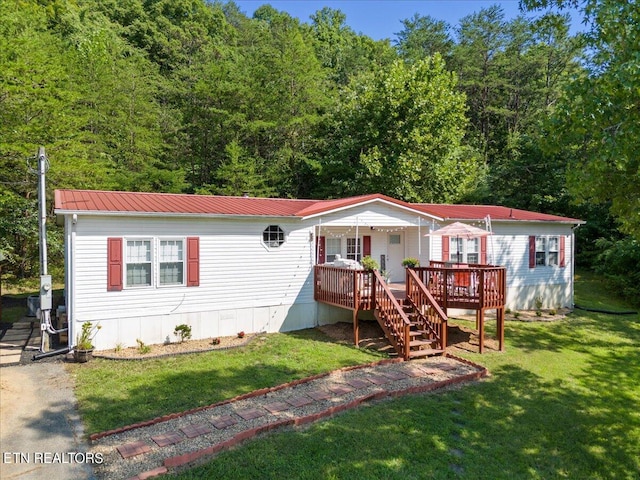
46 293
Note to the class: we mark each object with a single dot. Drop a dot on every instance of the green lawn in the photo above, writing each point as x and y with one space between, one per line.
116 393
563 401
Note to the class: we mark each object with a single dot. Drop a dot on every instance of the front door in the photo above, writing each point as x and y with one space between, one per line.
395 254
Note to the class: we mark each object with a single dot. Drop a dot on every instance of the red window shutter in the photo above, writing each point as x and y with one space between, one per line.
445 248
366 245
321 256
562 251
193 261
114 264
532 251
483 250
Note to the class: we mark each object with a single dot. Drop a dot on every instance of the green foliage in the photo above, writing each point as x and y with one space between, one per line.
599 116
618 262
411 262
143 348
183 331
85 338
398 131
369 263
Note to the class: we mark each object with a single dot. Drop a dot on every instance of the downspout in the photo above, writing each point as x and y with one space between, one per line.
573 264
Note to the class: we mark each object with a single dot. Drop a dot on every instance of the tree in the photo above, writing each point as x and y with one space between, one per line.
398 132
423 37
599 114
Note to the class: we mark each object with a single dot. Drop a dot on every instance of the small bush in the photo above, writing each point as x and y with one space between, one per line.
142 348
410 262
369 263
183 331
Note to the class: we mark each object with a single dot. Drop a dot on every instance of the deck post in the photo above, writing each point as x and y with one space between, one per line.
356 306
500 327
480 317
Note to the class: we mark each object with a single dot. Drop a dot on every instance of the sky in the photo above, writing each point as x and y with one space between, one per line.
380 19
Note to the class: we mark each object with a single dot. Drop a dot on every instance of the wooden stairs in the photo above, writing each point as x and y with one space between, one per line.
416 326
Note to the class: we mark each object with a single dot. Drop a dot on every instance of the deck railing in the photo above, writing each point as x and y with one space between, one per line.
391 317
432 317
343 287
465 286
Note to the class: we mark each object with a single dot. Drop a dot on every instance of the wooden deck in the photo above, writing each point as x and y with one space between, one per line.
417 325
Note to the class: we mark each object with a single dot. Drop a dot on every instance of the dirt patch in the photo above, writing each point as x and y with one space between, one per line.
371 335
177 348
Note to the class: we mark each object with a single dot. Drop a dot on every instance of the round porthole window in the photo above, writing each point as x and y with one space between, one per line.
273 236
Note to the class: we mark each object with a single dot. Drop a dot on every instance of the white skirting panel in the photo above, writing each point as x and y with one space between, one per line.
156 329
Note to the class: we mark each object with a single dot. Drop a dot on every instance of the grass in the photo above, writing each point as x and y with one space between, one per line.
116 393
563 401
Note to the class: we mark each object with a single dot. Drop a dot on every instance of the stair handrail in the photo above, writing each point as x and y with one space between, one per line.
382 293
414 279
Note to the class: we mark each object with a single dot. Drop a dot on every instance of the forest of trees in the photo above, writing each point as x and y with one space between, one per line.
195 96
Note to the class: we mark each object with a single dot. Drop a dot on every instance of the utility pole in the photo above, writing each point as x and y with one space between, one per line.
46 292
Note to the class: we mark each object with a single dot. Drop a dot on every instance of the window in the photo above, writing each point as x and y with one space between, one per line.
473 251
152 262
273 236
171 262
138 258
141 267
456 247
548 251
354 252
395 239
553 251
541 251
464 250
334 247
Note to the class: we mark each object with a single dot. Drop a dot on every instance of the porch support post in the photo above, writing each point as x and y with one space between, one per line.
356 328
500 328
480 316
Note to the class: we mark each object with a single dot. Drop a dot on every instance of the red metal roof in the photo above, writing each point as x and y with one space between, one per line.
136 202
479 212
77 201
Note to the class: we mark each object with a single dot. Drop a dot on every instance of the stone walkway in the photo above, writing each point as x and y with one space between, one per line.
158 446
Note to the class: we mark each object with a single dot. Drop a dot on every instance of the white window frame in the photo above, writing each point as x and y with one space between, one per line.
354 246
330 250
127 262
547 251
460 248
155 253
553 251
271 244
472 246
183 241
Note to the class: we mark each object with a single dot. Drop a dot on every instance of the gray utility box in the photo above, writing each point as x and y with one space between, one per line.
33 304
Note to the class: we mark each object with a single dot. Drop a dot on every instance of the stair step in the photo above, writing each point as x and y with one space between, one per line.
415 333
418 343
425 352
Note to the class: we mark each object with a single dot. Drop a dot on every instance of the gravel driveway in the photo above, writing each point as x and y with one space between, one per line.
41 434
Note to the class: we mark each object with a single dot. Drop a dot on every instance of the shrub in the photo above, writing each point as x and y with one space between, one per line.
410 262
369 263
183 331
142 348
618 261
